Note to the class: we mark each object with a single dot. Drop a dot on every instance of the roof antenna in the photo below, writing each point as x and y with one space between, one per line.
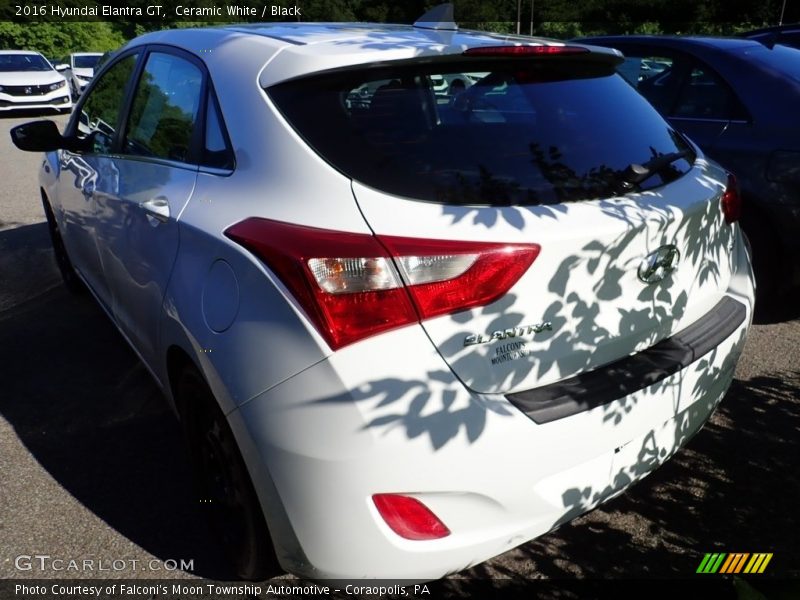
439 18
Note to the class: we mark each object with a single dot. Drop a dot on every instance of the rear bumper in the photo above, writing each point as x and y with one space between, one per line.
632 373
376 419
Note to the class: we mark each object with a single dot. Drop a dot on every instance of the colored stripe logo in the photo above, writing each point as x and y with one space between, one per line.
738 562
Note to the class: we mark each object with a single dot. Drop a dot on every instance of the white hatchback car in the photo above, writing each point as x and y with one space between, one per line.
28 81
404 336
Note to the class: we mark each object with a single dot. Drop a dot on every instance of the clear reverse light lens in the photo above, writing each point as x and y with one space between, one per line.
427 269
351 275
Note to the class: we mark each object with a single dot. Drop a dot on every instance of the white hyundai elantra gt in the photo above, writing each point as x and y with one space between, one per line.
405 331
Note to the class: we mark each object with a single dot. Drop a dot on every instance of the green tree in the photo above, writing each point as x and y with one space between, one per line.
58 39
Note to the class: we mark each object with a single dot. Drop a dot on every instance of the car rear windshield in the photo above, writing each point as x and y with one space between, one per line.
86 61
499 132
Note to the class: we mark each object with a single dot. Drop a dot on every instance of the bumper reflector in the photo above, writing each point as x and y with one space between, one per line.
409 518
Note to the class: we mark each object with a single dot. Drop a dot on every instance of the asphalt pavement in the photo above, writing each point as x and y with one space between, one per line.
92 466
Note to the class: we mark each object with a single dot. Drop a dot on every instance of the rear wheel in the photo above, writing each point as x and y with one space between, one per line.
224 486
765 257
72 282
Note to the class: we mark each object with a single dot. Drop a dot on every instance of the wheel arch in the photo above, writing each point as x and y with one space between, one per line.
177 361
285 543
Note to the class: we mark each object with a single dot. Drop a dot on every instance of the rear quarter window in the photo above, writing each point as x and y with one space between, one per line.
501 132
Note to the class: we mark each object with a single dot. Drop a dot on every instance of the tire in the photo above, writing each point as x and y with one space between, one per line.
72 282
765 256
224 488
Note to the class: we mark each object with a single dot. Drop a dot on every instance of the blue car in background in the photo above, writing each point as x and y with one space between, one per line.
788 35
739 100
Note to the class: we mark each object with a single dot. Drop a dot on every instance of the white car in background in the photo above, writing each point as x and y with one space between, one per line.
29 81
81 70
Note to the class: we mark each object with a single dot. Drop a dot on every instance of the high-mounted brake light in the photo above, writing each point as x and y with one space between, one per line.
732 201
409 518
354 285
524 50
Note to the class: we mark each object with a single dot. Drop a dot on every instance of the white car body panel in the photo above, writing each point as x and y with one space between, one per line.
594 253
79 77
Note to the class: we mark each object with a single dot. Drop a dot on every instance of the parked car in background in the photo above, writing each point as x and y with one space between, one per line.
57 64
408 335
788 35
29 81
81 70
738 99
448 86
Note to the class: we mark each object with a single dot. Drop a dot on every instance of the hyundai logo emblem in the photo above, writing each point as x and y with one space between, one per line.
657 265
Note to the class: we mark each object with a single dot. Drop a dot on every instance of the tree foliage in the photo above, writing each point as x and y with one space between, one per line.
57 39
554 18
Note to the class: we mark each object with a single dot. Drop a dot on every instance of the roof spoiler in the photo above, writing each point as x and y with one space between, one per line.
439 18
769 40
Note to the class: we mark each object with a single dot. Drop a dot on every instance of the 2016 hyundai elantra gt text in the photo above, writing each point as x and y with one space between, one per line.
405 330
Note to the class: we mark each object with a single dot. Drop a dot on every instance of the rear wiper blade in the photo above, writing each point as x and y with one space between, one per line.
636 173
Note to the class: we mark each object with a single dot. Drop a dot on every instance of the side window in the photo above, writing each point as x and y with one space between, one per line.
658 78
638 69
681 87
165 107
100 111
217 148
705 95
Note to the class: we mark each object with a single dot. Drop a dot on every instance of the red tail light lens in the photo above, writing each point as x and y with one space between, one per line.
480 272
409 518
349 284
345 282
524 50
732 201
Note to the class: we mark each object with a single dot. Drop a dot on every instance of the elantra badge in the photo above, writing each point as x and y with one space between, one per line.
504 334
657 265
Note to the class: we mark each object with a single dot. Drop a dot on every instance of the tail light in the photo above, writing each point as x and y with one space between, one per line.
354 285
409 518
444 277
732 201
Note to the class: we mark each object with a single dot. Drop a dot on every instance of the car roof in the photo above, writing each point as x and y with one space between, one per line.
22 52
380 33
86 54
297 49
